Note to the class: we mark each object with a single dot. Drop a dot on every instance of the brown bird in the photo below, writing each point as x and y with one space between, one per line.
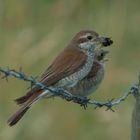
91 82
71 66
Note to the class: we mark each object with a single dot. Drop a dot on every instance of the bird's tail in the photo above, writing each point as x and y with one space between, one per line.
31 94
25 105
18 115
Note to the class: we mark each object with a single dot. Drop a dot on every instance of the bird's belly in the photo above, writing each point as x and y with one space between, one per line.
83 88
87 86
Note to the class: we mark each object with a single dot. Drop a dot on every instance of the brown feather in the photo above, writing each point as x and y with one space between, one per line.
68 62
17 116
26 97
24 108
95 68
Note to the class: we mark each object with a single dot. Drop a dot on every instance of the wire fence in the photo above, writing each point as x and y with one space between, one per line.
83 101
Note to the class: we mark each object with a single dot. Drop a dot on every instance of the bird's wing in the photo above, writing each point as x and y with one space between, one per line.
68 62
95 68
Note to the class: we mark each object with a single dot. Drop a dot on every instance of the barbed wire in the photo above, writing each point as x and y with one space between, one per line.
83 101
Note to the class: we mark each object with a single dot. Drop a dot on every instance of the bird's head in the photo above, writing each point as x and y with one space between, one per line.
100 55
90 40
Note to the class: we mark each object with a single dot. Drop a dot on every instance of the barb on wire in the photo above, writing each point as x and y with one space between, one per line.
83 101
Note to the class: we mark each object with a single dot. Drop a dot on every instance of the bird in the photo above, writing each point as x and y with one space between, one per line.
90 83
71 66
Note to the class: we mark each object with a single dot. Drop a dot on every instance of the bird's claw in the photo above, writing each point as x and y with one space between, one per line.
83 101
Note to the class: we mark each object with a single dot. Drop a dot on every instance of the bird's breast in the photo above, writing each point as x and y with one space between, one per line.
88 85
73 79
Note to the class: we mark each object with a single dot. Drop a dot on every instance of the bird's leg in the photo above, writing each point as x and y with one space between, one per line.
83 101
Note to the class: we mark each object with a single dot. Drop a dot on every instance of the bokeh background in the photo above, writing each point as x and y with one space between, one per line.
33 32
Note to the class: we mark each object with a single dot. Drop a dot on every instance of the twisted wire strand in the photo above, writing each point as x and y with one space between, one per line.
83 101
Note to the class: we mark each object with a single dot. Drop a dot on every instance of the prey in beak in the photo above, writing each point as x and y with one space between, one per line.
104 41
107 42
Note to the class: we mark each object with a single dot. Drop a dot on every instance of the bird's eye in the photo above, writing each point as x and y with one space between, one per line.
89 37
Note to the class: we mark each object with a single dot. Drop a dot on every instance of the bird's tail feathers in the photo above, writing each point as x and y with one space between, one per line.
24 108
23 99
18 115
31 94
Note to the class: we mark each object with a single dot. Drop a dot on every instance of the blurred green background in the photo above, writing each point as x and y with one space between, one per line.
33 32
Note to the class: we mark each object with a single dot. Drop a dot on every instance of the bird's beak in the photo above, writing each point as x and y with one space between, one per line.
105 41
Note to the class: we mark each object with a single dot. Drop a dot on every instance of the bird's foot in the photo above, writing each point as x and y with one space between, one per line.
83 101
